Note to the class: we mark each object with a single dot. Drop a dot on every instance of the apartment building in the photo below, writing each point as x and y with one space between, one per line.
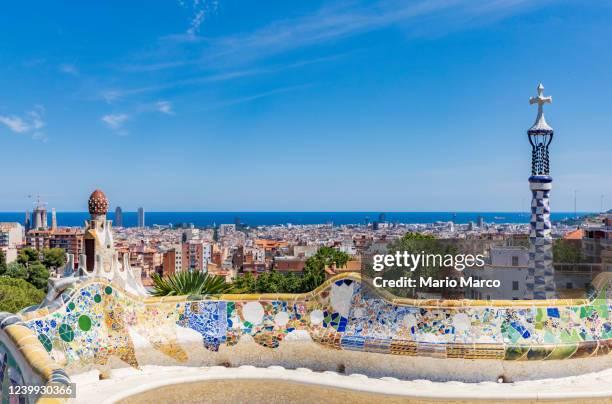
11 237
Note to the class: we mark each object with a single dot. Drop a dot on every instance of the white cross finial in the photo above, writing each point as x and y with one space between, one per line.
540 122
540 99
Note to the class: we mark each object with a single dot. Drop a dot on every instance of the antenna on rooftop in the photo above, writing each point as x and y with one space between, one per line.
575 204
39 197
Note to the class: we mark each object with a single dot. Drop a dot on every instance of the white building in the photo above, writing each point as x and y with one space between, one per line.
11 237
191 234
178 256
597 242
506 264
305 251
206 255
347 247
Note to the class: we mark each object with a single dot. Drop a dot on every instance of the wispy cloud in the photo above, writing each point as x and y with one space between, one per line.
36 118
214 77
165 107
204 60
116 122
118 94
14 123
153 67
257 96
34 62
199 10
31 123
69 69
332 23
237 56
197 20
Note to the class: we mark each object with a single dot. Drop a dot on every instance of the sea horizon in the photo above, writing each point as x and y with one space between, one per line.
254 218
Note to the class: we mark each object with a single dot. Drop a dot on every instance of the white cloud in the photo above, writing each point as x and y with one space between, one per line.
231 57
330 23
261 95
68 69
115 121
40 136
30 124
14 123
165 107
199 9
197 20
36 118
111 95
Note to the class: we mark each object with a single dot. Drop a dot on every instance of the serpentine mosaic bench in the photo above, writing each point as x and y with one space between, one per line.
94 320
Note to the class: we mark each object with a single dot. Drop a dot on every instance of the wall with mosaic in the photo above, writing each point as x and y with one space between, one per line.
10 375
25 365
97 321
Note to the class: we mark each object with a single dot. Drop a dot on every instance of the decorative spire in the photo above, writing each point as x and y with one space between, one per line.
98 204
540 125
540 135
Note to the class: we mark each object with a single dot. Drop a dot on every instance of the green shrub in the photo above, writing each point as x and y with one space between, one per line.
189 283
16 294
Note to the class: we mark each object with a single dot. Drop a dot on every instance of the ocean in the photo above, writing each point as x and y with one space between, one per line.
205 219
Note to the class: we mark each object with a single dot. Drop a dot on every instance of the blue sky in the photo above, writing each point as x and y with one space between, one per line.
286 105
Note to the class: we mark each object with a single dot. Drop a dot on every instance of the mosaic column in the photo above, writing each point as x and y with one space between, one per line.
541 272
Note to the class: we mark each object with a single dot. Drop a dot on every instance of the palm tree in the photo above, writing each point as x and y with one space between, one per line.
189 283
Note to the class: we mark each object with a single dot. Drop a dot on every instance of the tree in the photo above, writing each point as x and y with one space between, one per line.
314 269
276 282
189 283
329 256
245 283
27 255
38 275
565 252
417 243
36 272
314 275
2 262
16 270
27 268
269 282
16 294
292 284
54 258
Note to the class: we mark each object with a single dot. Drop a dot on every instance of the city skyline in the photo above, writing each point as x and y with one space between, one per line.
360 106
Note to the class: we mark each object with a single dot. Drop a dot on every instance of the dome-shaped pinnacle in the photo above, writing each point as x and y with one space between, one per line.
98 204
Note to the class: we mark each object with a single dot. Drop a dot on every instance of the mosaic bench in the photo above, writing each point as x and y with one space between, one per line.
94 321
